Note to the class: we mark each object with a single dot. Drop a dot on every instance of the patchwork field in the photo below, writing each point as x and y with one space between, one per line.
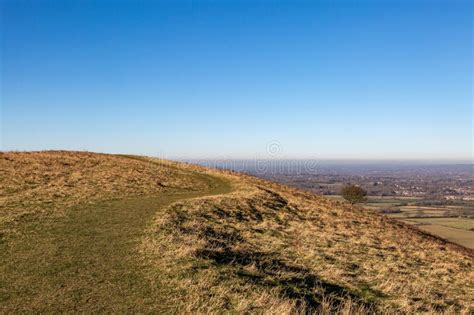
456 223
458 230
462 237
452 222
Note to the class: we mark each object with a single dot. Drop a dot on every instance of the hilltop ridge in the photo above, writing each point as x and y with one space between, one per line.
204 240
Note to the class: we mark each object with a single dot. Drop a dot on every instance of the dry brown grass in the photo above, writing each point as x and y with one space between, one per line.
79 254
267 248
262 248
52 181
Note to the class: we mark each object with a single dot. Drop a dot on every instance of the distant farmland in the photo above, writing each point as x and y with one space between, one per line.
458 230
454 223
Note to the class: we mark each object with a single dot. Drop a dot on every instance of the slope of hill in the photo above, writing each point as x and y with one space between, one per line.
89 232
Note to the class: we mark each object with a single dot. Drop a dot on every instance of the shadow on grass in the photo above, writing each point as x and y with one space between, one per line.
293 282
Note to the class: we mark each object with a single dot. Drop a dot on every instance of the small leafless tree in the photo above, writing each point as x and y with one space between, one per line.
354 194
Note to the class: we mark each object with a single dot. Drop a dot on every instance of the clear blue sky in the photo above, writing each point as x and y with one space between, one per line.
222 79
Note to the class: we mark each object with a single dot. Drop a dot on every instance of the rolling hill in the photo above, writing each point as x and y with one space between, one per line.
87 232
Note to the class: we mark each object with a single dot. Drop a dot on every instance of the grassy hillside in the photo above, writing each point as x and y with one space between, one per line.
54 181
84 232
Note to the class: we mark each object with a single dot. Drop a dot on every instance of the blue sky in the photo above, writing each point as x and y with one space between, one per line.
224 79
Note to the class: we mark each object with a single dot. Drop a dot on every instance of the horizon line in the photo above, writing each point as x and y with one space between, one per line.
463 160
405 160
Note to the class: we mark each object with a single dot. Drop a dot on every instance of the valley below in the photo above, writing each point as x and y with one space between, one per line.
437 198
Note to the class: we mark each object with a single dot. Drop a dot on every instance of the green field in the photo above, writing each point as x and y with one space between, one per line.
457 230
410 207
458 236
437 220
456 223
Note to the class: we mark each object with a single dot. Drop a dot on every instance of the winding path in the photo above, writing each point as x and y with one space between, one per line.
88 261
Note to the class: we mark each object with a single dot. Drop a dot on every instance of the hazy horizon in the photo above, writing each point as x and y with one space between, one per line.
408 161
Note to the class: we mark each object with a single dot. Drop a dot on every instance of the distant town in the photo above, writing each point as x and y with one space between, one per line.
442 183
432 182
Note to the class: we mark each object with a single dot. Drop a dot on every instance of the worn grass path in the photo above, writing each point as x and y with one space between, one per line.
87 261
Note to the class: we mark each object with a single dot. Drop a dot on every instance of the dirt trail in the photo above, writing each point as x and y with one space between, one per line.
87 261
